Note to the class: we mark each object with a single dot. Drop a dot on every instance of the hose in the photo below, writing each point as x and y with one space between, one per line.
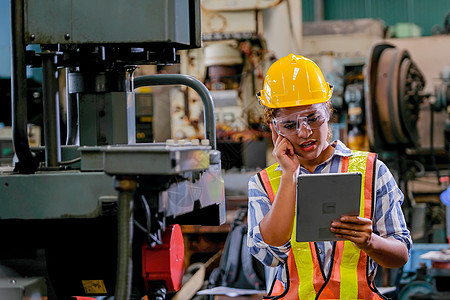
126 188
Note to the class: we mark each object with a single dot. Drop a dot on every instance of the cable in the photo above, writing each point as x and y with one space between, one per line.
153 238
69 162
147 212
140 226
420 168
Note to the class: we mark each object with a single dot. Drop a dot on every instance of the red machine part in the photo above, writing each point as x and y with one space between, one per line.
165 262
435 264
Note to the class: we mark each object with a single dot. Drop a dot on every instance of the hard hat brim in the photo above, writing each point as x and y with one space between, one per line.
281 101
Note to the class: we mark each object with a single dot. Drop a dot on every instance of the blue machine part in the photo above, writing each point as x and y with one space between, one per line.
5 47
5 37
415 288
445 197
416 251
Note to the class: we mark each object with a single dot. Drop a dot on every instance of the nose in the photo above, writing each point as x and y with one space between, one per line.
304 130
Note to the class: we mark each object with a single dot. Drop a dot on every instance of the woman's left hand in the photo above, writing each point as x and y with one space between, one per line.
355 229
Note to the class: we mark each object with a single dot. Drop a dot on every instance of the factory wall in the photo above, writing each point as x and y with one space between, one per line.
390 11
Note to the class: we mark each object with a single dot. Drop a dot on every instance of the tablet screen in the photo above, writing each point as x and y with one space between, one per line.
322 198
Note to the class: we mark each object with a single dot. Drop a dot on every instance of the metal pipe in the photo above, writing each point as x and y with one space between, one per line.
72 119
51 111
71 109
319 10
26 162
196 85
126 188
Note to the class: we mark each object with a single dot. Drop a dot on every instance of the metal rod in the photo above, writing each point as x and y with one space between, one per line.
72 119
51 111
196 85
126 188
71 111
26 162
319 10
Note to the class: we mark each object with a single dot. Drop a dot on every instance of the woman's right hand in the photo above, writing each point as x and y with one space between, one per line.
276 226
284 153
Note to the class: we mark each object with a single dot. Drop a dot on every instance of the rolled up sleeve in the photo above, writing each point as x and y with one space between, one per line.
389 221
258 206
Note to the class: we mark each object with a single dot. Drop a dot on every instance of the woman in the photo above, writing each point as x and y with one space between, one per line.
297 109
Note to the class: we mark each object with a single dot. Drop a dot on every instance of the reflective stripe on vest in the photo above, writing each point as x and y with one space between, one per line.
349 270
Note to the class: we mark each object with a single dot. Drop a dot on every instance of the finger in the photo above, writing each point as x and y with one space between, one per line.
289 147
274 134
345 225
282 143
280 147
355 220
349 234
278 144
353 239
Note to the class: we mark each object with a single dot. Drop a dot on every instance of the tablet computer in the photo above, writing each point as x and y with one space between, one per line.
322 198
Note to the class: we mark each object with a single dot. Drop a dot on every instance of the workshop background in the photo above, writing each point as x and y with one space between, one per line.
389 63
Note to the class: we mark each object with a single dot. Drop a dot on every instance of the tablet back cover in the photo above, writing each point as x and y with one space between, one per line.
322 198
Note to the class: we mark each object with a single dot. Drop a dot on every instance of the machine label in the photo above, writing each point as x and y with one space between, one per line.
94 286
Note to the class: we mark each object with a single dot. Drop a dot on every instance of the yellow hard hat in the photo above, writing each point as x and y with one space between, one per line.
294 80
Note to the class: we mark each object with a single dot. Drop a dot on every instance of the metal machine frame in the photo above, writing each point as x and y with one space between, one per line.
73 206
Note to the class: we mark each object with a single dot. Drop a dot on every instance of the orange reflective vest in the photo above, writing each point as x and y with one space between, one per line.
349 270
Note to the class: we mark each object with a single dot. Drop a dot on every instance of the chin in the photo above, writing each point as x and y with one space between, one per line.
311 155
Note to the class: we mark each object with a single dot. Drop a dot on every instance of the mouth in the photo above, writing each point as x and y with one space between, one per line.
308 145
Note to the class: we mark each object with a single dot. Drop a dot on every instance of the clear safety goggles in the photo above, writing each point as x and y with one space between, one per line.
292 124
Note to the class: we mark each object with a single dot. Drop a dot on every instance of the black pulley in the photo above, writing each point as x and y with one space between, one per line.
393 98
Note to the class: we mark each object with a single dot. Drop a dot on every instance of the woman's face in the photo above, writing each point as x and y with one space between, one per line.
306 127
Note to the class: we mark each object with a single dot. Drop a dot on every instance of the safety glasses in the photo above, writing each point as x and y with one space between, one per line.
292 124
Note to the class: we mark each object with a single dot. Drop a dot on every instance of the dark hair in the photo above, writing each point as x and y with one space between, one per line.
270 114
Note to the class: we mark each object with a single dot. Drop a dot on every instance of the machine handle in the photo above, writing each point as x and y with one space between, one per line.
196 85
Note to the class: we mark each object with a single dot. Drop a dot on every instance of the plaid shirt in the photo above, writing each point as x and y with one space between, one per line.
388 220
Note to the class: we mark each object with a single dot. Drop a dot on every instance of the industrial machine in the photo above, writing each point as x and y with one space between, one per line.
98 213
393 98
232 65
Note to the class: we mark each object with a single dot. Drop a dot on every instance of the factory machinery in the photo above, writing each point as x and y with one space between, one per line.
98 214
393 99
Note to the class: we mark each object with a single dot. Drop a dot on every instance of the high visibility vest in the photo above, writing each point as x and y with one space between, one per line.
349 270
